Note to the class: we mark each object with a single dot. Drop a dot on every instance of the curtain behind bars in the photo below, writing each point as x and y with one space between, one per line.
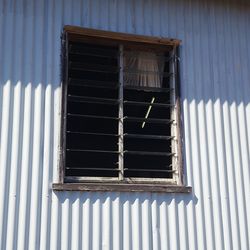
143 69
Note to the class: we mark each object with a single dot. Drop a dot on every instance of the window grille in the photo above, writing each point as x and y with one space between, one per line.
120 119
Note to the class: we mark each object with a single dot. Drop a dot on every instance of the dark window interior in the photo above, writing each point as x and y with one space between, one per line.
92 111
148 148
92 119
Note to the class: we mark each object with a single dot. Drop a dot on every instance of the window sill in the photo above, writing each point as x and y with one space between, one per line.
109 187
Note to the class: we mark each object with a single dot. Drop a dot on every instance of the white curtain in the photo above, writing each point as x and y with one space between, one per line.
143 69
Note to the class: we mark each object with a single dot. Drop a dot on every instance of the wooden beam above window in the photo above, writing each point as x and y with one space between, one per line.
77 32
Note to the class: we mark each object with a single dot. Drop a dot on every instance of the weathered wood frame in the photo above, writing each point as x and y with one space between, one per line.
120 187
152 185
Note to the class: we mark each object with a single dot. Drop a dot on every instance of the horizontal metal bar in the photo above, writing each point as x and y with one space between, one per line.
135 72
97 52
148 103
134 54
97 100
157 137
94 134
94 86
148 153
94 68
93 83
97 169
149 170
148 120
91 151
90 53
148 89
93 116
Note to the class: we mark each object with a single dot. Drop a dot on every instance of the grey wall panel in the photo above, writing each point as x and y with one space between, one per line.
215 92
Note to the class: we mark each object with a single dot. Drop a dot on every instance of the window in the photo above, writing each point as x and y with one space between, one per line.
120 110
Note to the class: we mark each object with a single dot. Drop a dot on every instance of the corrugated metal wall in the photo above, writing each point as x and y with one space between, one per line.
215 78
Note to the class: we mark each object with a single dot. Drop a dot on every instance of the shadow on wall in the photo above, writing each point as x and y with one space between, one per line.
215 95
214 79
124 197
214 69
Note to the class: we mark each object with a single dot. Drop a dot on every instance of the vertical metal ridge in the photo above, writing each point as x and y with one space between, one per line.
194 124
246 88
221 159
228 147
215 108
243 152
235 136
107 222
38 76
16 126
148 226
6 131
120 113
48 133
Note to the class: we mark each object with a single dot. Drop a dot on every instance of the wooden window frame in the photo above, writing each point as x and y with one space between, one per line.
176 184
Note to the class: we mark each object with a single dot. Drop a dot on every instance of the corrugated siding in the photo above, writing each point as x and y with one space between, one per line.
215 89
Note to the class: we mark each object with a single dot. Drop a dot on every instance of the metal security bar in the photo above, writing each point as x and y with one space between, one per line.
148 153
173 115
138 135
149 120
90 51
143 129
88 99
120 125
93 84
92 101
164 74
93 67
149 89
157 137
147 103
